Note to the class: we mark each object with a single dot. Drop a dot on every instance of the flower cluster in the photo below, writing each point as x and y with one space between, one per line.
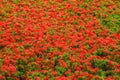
59 40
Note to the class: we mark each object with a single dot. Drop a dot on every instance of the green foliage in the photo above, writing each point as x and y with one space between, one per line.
117 58
52 78
56 60
35 74
100 52
21 66
76 23
33 67
19 74
101 73
112 23
26 46
105 69
65 56
60 70
20 48
18 40
16 1
51 31
0 60
87 46
5 11
101 64
83 78
110 73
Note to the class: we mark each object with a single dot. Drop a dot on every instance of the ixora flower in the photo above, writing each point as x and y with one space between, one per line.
12 69
4 68
59 40
6 62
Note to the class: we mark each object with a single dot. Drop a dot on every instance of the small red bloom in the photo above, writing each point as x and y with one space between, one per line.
12 69
4 68
6 61
83 16
54 73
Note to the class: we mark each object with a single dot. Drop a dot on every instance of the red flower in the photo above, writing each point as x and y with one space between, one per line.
54 73
4 68
95 70
46 78
38 78
6 61
63 63
83 16
12 69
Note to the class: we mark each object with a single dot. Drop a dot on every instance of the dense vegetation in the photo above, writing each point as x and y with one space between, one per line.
59 40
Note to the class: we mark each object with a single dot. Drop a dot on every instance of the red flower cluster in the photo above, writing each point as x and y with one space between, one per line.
59 40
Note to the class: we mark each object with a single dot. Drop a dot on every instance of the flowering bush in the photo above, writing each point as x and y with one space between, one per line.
59 40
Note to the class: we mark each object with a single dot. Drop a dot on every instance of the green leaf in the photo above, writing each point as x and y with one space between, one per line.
51 31
15 1
60 70
101 73
19 74
82 78
65 56
0 60
20 49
